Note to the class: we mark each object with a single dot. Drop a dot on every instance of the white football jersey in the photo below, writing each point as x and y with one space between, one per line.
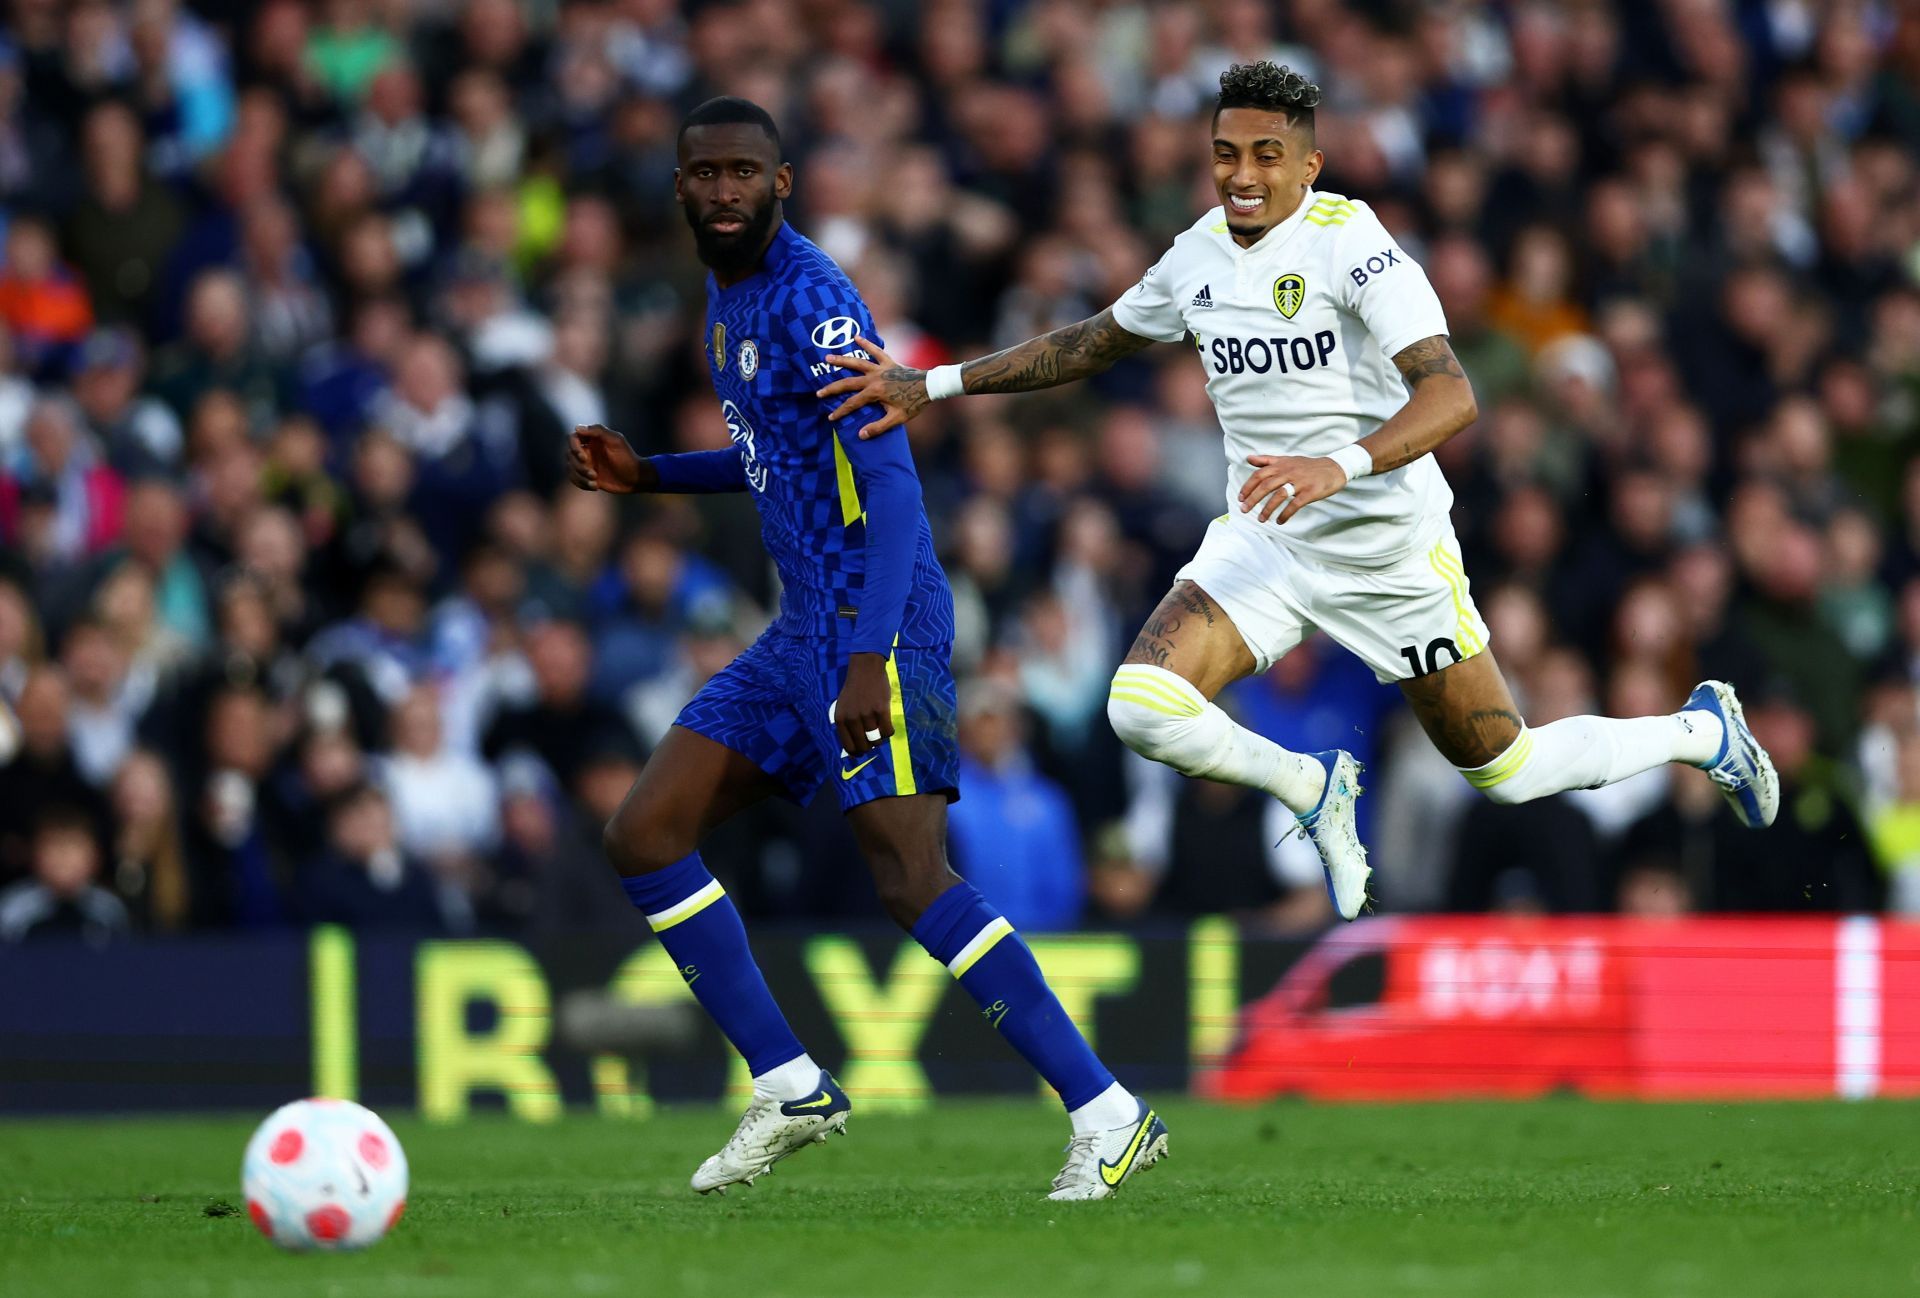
1297 334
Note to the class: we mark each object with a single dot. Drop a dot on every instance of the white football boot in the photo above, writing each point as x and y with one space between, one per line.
773 1129
1099 1161
1331 827
1742 768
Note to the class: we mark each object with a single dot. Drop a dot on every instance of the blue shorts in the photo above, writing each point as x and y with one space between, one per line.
770 705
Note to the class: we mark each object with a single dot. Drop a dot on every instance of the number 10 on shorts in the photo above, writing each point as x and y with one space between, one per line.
1432 664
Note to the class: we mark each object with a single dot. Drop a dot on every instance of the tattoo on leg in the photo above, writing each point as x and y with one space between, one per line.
1493 730
1193 599
1154 644
1147 648
1469 737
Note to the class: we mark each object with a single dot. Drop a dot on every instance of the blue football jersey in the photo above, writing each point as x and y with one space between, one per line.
767 339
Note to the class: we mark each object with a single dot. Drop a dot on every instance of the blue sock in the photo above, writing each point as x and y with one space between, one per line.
695 921
980 948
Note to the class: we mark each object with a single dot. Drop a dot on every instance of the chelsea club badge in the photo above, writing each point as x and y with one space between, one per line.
749 359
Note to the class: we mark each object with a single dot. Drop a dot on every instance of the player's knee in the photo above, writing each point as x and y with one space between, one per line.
1155 713
907 887
640 838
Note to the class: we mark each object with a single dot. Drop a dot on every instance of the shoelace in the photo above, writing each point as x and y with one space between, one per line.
1728 772
1081 1150
737 1143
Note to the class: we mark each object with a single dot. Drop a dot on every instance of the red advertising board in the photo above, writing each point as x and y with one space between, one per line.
1652 1009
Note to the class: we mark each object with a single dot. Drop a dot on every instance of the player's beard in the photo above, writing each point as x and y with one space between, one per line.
731 252
1253 232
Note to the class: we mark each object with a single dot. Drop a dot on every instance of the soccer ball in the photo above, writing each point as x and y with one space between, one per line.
324 1174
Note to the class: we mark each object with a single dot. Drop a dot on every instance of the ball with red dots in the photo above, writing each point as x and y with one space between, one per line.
324 1174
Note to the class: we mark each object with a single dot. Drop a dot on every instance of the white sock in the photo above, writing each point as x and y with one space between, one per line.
1592 752
1163 717
1113 1107
1702 733
796 1079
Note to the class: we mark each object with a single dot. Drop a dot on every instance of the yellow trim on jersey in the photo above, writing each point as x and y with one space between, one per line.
1331 211
903 781
850 510
1141 682
1450 571
1503 767
1219 229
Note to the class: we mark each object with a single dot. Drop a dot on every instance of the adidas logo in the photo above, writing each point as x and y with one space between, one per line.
1204 298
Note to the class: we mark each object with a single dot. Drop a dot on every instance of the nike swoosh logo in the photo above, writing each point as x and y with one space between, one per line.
848 775
1114 1173
821 1103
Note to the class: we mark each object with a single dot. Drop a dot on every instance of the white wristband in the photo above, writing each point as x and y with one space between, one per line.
1356 459
944 381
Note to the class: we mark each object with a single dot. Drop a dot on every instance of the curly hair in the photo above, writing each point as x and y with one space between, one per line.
1274 87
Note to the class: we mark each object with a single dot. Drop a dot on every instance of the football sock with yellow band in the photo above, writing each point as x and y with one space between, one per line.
1161 716
1592 752
696 922
980 949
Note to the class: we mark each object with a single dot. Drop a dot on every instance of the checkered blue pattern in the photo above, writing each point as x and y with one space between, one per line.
766 364
770 704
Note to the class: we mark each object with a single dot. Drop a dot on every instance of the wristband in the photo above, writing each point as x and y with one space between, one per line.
1355 459
944 381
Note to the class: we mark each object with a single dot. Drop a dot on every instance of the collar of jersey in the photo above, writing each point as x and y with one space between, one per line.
776 255
1274 237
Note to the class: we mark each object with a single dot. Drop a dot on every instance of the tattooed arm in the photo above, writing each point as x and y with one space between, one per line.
1076 352
1442 404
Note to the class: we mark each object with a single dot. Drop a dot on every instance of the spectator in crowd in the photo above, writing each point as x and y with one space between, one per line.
1013 835
363 880
443 800
217 352
63 896
64 472
139 435
106 699
43 303
43 770
561 723
122 234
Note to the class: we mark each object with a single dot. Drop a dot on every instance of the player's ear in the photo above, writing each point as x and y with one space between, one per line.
783 181
678 196
1314 163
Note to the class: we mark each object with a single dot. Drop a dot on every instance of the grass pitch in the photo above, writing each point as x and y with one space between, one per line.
1566 1198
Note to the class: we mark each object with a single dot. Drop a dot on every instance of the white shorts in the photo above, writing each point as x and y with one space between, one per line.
1409 620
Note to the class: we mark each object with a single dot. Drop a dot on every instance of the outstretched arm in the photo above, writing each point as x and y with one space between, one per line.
1442 405
599 459
1077 351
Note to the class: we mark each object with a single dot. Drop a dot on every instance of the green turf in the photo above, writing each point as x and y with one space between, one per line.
1564 1198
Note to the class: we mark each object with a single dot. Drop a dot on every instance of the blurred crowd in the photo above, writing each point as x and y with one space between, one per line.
299 621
